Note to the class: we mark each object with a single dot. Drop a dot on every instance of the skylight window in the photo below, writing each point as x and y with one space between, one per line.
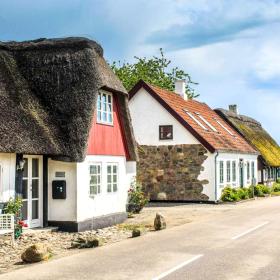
226 129
207 123
197 121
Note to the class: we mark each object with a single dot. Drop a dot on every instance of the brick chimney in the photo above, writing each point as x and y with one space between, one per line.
180 88
233 108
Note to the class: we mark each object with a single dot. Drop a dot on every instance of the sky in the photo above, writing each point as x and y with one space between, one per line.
230 47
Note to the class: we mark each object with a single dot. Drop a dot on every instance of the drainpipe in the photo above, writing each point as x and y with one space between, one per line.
216 181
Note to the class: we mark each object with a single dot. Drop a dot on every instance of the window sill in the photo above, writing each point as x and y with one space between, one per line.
104 123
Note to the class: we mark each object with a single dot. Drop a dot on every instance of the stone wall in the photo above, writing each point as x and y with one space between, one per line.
171 172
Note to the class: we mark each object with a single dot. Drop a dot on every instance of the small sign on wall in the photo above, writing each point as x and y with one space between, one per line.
60 174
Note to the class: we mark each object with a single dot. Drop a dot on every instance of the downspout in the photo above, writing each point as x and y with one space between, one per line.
216 181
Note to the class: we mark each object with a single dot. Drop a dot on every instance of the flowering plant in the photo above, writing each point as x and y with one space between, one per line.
136 198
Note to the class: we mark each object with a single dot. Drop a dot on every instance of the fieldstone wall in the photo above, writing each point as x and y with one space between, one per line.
171 172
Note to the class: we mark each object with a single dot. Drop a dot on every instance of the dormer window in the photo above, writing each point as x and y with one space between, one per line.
105 107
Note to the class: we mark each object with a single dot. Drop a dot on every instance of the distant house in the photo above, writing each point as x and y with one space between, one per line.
255 134
187 151
66 146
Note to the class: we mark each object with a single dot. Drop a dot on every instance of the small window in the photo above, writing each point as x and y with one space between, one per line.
207 123
221 172
105 108
165 132
197 121
95 179
228 171
253 169
248 170
112 177
225 128
233 166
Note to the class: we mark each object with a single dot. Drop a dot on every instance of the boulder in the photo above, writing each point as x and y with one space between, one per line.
159 222
90 242
36 253
136 232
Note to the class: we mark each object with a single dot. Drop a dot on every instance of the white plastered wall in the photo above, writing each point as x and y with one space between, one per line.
147 115
7 176
63 209
103 203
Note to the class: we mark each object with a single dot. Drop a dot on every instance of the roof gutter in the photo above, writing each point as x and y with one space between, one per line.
216 180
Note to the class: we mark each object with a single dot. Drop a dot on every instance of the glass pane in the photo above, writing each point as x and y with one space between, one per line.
115 178
115 169
109 168
93 189
35 167
99 116
99 190
115 187
25 167
24 211
109 188
109 178
24 189
99 102
109 98
35 209
104 117
35 188
98 168
110 119
93 169
93 180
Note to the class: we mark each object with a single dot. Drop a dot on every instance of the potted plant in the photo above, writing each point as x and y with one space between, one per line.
136 198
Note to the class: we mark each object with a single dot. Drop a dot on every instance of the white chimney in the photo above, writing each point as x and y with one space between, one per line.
180 88
233 108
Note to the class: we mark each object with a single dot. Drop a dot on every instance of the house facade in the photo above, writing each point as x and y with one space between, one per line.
187 152
67 147
259 138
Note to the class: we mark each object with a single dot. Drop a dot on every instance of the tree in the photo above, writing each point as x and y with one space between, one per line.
154 71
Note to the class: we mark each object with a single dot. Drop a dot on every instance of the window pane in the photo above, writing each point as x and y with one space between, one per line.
109 188
114 178
109 178
35 167
115 187
93 180
165 132
99 115
114 169
110 119
25 168
99 102
109 168
35 188
104 117
35 209
93 169
24 210
24 189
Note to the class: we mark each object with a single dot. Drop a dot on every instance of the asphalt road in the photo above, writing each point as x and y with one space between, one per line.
241 243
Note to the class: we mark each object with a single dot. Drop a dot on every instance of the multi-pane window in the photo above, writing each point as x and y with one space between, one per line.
165 132
221 172
112 177
233 166
253 169
105 107
95 179
248 170
228 171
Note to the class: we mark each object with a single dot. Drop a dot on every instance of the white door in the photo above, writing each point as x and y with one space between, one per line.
31 191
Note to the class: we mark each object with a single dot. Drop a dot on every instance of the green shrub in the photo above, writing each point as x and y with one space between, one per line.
243 193
250 192
262 190
136 198
278 181
229 194
276 187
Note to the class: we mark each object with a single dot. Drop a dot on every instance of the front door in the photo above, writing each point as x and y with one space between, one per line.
31 191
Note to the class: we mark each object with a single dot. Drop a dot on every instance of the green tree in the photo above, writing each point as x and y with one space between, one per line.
153 70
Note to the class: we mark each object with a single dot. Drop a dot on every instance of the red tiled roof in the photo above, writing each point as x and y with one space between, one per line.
223 139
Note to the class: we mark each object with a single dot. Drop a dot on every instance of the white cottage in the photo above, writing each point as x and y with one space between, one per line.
166 122
66 146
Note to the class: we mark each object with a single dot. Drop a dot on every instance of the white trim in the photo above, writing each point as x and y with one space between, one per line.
98 185
112 164
107 111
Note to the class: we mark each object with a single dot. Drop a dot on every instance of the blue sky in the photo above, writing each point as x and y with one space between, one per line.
230 47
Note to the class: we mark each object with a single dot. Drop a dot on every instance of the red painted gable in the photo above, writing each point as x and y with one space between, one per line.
107 139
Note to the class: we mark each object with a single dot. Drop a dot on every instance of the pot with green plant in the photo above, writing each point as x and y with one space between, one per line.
14 207
136 198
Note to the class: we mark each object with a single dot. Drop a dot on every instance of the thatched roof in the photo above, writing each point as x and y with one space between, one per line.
255 135
48 91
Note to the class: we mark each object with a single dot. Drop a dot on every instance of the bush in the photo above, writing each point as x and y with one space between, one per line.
136 198
276 187
243 193
229 194
262 190
278 181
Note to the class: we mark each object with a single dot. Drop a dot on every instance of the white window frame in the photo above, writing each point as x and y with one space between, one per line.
193 117
228 171
207 123
108 111
233 167
225 128
221 172
98 175
248 171
110 185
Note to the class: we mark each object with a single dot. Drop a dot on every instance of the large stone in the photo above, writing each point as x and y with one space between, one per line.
136 232
159 222
161 196
36 253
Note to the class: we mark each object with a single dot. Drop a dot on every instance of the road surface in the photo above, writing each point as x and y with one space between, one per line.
241 243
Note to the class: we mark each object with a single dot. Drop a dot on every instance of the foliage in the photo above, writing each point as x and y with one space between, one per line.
276 187
155 70
229 194
261 190
13 207
278 181
243 193
136 198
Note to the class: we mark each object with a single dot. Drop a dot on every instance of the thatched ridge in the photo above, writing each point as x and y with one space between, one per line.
48 91
255 134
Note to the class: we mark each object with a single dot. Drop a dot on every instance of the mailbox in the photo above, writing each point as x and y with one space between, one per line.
59 189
